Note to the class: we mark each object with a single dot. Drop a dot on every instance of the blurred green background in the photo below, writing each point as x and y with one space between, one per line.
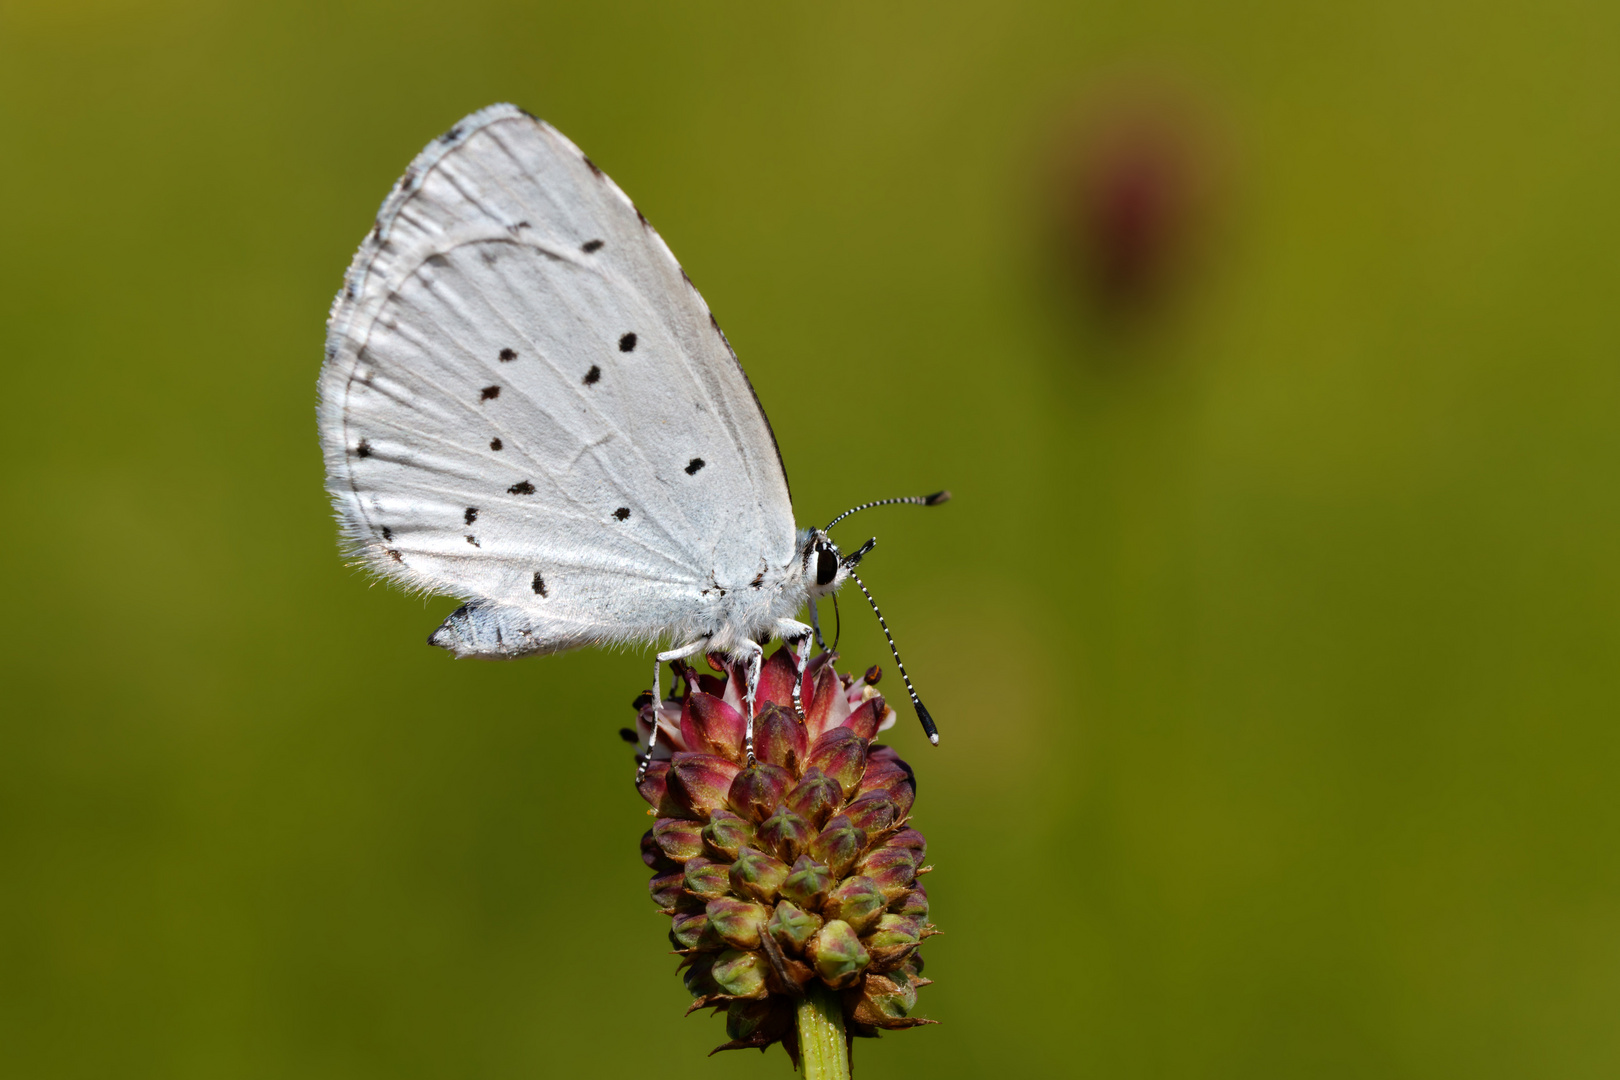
1272 632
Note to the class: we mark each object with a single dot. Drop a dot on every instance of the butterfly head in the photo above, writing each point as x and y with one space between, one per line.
825 568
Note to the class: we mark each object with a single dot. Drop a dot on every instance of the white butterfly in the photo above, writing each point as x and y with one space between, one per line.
526 404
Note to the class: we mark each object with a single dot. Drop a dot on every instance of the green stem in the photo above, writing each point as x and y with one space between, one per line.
822 1043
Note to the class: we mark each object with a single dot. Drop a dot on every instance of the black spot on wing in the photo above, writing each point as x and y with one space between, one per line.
694 465
438 262
473 540
522 487
622 513
363 450
593 376
508 355
471 515
489 393
452 135
759 580
395 555
592 165
538 584
627 343
591 247
494 444
388 534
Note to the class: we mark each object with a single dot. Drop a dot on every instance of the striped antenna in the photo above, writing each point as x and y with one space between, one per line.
915 500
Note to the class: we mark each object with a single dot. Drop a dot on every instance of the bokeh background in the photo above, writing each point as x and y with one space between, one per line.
1270 350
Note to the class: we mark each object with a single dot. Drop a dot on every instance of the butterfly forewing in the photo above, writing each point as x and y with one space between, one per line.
526 404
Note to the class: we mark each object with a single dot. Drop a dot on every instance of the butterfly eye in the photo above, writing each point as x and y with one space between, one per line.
826 566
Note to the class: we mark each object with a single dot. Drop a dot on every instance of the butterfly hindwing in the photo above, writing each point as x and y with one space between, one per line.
527 405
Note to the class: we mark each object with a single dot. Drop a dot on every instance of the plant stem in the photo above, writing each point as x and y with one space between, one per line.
822 1043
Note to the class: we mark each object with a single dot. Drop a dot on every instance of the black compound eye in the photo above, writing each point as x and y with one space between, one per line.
826 566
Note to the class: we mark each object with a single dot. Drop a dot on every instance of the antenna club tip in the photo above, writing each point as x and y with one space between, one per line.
934 738
936 498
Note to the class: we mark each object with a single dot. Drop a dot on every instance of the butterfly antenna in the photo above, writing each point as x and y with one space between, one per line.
922 714
916 500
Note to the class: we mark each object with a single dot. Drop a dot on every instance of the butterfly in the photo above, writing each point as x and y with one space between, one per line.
525 404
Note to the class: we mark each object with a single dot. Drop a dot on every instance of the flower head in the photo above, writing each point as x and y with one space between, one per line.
799 868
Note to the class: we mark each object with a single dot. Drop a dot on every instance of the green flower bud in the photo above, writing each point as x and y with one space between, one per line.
679 838
885 999
699 976
726 833
707 879
785 833
891 868
741 974
756 1023
856 901
737 922
914 903
668 888
892 930
837 955
757 875
838 846
691 931
808 884
792 927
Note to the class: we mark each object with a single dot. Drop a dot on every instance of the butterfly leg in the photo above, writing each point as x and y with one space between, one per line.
753 658
815 625
797 635
658 695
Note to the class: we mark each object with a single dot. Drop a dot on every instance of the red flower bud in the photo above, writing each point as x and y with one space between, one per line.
699 782
655 858
872 812
757 790
779 737
775 684
866 717
785 833
710 726
815 798
841 754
